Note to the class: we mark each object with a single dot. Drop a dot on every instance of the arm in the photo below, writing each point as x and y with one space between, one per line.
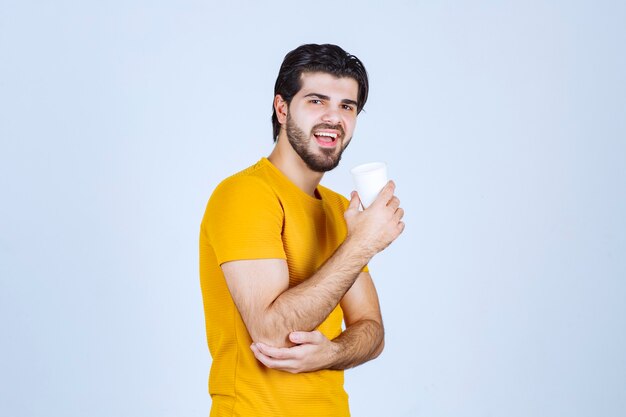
362 340
260 288
364 337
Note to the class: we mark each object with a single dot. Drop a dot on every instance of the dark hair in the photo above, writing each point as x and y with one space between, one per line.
317 58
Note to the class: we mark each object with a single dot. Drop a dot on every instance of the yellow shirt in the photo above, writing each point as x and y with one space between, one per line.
255 214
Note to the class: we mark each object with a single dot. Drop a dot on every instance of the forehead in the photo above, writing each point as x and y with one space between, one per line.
327 84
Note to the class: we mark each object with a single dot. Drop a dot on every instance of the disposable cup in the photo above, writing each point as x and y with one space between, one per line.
369 179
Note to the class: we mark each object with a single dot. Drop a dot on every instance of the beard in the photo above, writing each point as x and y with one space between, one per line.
327 158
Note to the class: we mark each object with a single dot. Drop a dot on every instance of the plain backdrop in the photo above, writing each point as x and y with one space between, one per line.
502 122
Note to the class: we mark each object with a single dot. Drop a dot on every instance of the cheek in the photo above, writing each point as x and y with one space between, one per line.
350 125
306 118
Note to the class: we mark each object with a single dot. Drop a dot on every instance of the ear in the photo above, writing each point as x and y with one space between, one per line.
281 108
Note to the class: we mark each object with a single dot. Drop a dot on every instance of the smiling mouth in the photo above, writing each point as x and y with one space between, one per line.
326 139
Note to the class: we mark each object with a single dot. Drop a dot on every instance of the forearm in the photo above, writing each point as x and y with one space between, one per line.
305 306
359 343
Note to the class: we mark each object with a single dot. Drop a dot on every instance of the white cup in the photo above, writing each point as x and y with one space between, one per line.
369 179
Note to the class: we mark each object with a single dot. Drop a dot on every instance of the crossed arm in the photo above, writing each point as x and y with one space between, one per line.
284 332
281 320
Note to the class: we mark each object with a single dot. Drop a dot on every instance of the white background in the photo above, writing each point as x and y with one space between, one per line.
503 124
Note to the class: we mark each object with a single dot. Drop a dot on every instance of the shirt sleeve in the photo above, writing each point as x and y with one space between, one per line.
244 220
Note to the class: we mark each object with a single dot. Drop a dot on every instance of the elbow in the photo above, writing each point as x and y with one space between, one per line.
381 343
379 348
270 333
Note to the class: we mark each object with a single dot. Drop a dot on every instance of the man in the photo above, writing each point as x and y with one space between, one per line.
283 260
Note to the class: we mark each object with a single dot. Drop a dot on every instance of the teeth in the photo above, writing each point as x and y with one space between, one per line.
330 135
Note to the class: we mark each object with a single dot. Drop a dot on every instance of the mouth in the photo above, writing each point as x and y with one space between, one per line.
326 138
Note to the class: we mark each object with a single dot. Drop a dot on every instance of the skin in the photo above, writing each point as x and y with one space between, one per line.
282 320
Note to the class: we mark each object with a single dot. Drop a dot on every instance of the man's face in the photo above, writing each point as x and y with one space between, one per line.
321 119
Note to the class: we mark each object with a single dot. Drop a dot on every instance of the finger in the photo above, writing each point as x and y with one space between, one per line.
306 337
273 352
385 194
280 364
264 359
399 214
394 203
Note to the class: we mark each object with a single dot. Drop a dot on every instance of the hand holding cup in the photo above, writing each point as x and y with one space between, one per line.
374 228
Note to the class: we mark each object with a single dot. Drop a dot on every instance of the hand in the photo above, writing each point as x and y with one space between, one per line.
313 351
374 228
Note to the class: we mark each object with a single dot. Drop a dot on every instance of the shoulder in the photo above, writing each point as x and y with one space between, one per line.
246 185
245 202
246 194
241 184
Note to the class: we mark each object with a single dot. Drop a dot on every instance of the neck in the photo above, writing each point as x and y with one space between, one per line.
293 167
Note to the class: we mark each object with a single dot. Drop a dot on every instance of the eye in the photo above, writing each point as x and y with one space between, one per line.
347 107
315 101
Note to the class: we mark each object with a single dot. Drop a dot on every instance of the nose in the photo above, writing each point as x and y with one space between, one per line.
331 116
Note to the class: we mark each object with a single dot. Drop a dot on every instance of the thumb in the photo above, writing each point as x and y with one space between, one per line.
355 201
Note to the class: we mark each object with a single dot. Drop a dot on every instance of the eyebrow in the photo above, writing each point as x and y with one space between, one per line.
325 97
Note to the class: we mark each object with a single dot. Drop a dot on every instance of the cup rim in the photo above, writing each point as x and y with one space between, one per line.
367 167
